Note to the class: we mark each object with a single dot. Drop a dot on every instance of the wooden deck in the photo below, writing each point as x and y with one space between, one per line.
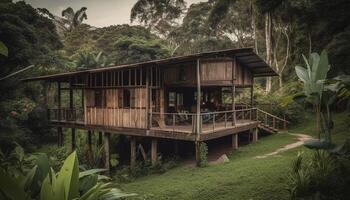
179 132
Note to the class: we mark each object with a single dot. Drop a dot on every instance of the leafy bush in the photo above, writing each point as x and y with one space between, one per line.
203 148
128 174
321 175
41 181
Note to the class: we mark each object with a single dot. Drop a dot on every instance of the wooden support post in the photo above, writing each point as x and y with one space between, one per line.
59 100
255 135
198 153
251 96
235 141
59 136
233 92
100 138
107 137
89 141
132 151
284 122
89 138
148 123
198 110
154 154
73 140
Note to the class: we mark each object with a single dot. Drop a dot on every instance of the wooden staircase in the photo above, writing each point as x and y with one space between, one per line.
269 122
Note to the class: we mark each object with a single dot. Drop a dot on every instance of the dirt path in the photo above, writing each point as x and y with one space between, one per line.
301 137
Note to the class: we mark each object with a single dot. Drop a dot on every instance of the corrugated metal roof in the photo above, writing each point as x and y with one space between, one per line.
245 56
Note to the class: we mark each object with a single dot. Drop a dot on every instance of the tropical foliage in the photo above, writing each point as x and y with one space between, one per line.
313 78
19 181
321 175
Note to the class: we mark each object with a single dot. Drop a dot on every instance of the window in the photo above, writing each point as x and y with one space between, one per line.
172 99
126 98
99 98
180 99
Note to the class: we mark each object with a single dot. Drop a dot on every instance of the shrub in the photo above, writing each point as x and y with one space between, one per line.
203 148
321 175
41 181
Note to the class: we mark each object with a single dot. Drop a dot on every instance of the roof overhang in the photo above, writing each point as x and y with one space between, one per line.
245 56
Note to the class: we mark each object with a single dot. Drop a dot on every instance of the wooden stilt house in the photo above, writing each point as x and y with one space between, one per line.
180 98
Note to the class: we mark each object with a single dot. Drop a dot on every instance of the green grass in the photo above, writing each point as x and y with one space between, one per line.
242 178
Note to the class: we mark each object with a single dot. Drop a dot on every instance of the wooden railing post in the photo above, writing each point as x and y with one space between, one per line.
213 122
174 122
273 122
284 122
225 119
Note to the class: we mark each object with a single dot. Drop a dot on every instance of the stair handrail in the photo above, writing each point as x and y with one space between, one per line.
271 115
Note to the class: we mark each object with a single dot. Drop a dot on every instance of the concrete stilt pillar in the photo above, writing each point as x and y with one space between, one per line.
198 153
255 134
154 154
235 141
74 146
107 137
132 151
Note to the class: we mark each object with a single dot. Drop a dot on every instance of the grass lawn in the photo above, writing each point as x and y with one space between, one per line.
242 178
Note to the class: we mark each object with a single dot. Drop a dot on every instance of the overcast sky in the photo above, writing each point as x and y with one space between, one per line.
100 12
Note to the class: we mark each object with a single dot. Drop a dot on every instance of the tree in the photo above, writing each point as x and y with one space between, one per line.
313 77
31 39
69 21
87 60
233 19
194 34
160 17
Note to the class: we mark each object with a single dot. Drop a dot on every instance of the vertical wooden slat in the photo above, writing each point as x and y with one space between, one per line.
198 111
233 92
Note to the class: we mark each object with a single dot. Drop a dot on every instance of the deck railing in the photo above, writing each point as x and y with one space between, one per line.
271 121
66 114
209 121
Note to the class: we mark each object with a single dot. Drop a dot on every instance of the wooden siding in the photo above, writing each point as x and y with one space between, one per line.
112 112
172 74
214 71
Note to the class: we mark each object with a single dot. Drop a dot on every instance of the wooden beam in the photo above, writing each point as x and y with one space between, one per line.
198 110
59 100
255 135
59 136
89 140
154 153
107 137
100 138
235 141
147 99
132 151
233 90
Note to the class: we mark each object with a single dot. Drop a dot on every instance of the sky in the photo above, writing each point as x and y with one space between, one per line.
100 12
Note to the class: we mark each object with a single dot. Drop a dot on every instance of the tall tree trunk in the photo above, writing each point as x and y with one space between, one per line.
310 44
268 40
254 28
